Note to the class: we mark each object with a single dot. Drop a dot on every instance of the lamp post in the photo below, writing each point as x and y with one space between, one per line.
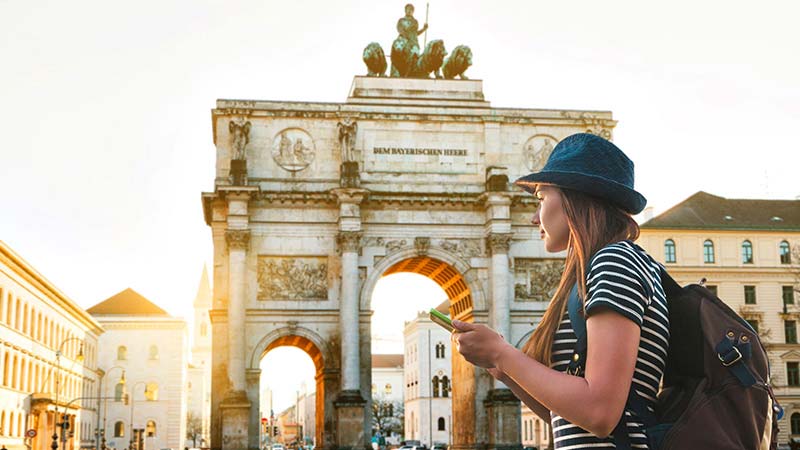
100 433
133 391
54 444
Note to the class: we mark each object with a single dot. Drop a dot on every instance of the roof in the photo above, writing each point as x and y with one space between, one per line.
705 211
387 361
203 297
127 303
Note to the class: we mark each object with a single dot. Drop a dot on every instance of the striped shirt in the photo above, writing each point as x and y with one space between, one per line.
623 278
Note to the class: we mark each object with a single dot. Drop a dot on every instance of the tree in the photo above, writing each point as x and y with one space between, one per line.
194 427
387 416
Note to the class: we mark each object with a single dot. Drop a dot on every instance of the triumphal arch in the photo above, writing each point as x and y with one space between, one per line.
314 202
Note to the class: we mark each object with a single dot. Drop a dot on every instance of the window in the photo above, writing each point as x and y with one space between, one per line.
153 354
747 252
119 429
436 386
753 323
445 386
786 258
669 251
119 391
708 252
203 329
749 295
388 388
150 430
712 288
122 353
151 392
795 423
788 295
440 350
793 374
440 423
790 329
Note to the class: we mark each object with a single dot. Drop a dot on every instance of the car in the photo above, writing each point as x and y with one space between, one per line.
439 447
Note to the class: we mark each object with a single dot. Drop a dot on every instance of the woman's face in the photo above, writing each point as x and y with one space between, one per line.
551 219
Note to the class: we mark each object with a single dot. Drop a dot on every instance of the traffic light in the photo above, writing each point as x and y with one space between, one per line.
275 430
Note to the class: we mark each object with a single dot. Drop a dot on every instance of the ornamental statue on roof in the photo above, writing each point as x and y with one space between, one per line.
407 59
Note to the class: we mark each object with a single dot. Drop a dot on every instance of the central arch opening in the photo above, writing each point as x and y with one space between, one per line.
409 349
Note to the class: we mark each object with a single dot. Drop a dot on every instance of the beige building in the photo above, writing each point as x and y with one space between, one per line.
535 431
743 249
151 348
48 361
198 386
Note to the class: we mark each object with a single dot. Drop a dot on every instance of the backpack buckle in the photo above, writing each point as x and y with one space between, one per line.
730 359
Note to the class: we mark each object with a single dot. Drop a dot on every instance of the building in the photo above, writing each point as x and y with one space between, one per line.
48 361
387 391
198 389
427 377
150 348
743 249
535 431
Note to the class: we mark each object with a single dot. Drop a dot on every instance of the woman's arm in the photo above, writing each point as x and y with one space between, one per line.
595 402
523 396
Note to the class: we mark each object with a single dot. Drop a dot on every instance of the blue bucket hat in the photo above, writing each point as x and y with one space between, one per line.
592 165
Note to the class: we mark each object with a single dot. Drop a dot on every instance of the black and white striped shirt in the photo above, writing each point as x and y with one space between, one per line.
624 279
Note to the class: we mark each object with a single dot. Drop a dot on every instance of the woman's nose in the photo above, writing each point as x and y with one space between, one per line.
535 220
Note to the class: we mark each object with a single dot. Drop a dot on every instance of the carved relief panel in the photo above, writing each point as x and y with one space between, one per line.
293 149
536 279
293 278
536 151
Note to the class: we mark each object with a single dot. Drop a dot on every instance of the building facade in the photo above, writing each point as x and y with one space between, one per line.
198 389
387 393
745 251
48 361
147 408
428 382
535 431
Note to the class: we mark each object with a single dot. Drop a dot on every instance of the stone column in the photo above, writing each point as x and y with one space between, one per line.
501 278
349 242
238 243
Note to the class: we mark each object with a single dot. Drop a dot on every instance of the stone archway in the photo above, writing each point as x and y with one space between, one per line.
326 378
457 279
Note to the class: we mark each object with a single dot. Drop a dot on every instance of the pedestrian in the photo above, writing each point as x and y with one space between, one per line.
586 202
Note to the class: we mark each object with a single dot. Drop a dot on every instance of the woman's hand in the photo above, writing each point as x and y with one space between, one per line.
479 344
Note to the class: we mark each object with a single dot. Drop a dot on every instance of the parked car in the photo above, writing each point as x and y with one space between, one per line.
439 447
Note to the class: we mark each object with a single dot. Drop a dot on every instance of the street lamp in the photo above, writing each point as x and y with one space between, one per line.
100 433
133 391
79 358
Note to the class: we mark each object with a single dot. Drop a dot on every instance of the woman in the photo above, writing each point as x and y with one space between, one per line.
586 200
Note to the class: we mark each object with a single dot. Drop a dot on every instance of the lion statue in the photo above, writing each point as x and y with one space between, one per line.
457 63
404 59
375 60
431 60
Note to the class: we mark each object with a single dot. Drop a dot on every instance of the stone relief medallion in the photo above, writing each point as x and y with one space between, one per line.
293 278
536 279
293 149
537 150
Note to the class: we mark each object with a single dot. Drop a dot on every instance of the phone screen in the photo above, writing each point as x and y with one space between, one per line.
441 320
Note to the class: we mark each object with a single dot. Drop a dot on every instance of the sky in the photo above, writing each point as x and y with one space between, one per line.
106 114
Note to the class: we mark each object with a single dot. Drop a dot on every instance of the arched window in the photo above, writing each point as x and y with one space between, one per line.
669 251
747 252
388 388
708 252
119 391
203 329
153 352
122 353
151 392
436 386
440 423
445 386
786 254
119 429
150 430
795 423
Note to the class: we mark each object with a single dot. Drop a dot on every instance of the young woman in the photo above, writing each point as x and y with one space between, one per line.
586 199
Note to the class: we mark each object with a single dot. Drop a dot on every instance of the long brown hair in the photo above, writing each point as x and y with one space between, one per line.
593 224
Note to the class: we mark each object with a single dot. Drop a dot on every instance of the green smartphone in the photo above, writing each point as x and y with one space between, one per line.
441 320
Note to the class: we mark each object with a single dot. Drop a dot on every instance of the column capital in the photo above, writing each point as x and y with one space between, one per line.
237 239
349 195
498 243
349 241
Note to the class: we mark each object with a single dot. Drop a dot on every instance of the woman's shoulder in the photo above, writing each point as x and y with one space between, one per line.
625 256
